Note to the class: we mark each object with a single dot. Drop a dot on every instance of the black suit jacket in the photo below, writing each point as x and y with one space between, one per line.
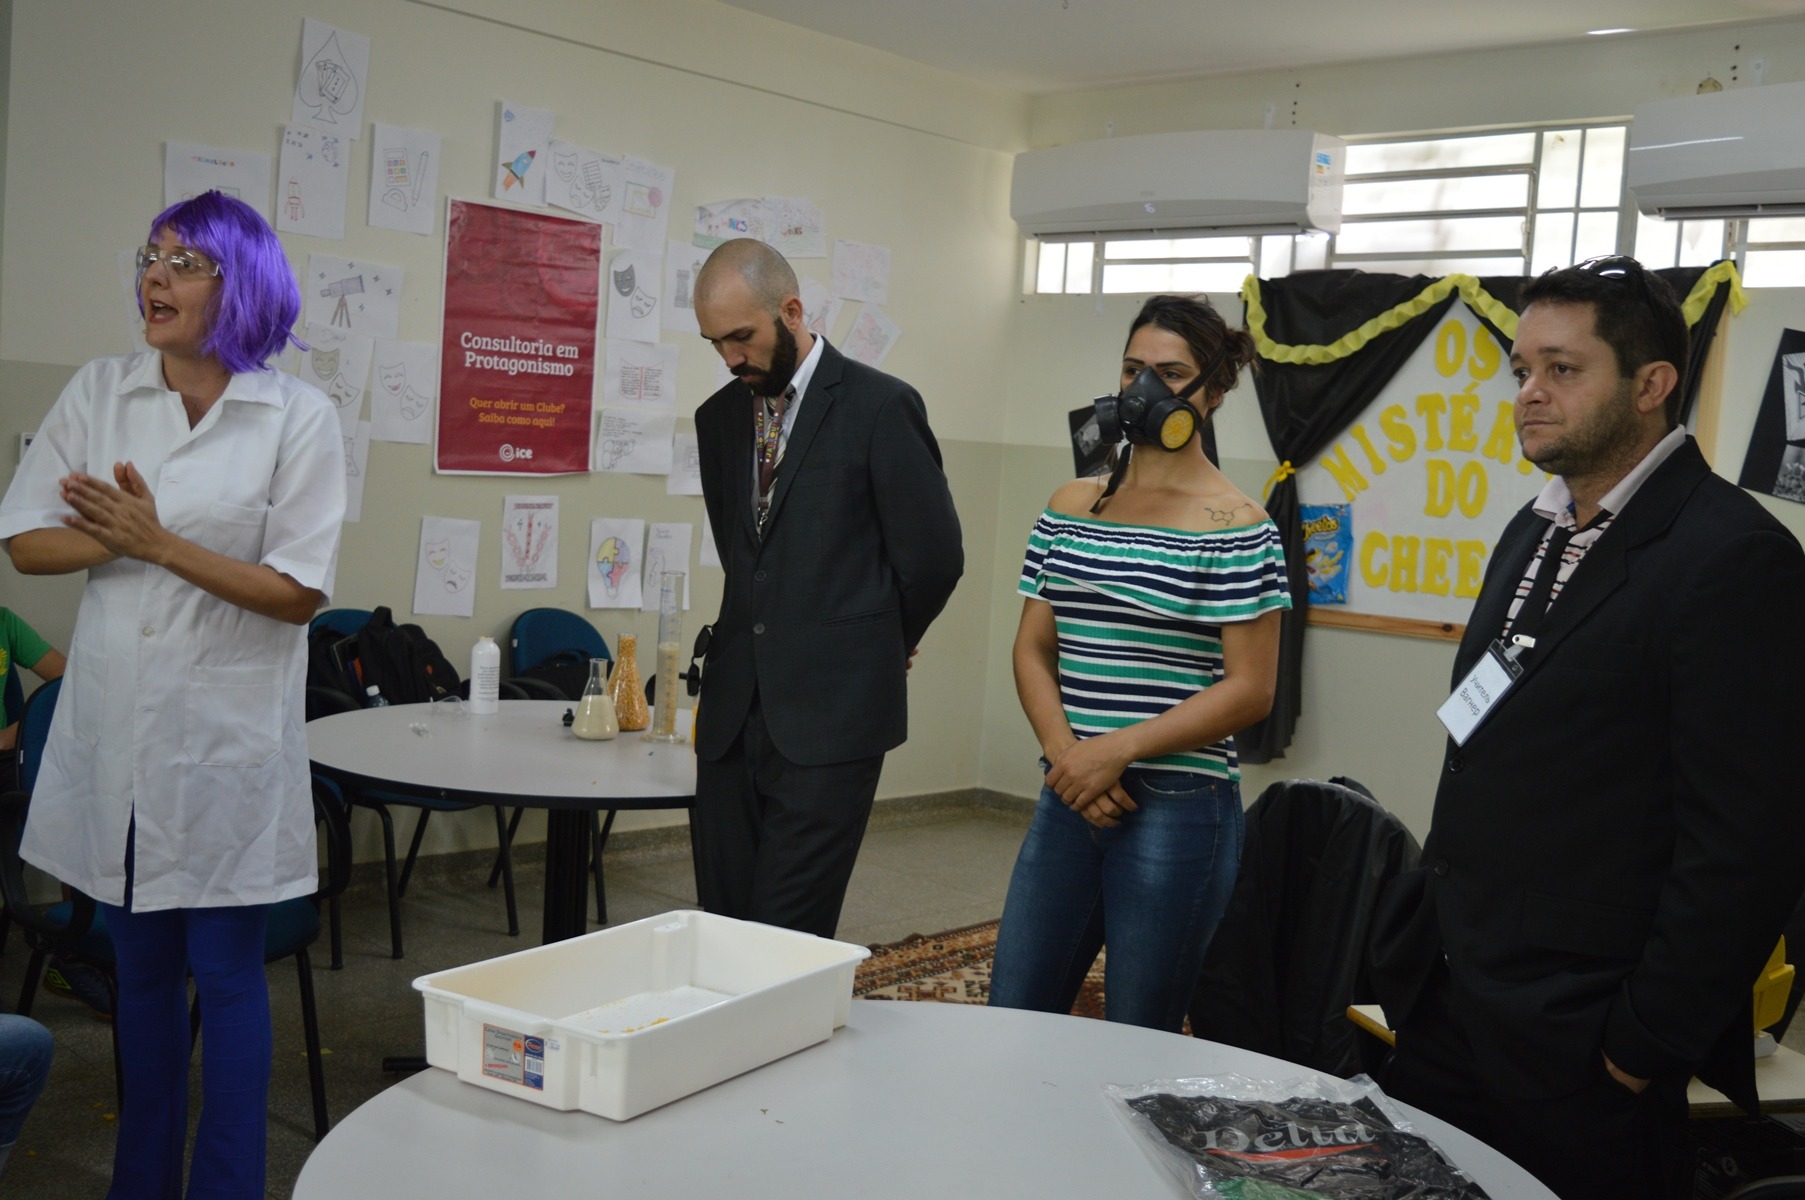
1616 848
860 552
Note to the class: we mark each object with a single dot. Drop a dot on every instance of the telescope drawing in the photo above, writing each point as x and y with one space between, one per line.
350 286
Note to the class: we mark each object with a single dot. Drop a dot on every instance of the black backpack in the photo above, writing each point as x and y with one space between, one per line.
331 662
405 664
567 670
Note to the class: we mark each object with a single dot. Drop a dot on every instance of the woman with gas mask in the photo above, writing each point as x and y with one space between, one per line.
1148 638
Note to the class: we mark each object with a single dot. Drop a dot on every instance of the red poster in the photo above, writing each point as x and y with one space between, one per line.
517 357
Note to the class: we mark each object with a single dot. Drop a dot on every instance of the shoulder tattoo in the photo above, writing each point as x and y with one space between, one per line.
1226 516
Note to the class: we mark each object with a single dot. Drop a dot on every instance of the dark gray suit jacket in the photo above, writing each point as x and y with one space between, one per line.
860 552
1615 849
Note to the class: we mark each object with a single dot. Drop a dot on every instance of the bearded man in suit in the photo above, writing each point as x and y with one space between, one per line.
833 519
1616 839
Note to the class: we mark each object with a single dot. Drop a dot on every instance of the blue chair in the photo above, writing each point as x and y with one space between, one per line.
34 731
14 700
537 635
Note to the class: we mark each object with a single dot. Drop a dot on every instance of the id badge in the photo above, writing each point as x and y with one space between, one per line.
1485 685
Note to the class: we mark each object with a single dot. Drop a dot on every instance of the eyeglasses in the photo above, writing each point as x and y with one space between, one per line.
183 264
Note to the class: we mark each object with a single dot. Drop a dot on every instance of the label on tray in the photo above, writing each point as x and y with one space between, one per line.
514 1057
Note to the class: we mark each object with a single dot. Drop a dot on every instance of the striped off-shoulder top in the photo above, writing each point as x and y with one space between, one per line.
1140 612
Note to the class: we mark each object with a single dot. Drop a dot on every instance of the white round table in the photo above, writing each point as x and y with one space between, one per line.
907 1100
523 755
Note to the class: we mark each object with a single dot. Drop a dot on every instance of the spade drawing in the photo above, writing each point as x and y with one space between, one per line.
327 83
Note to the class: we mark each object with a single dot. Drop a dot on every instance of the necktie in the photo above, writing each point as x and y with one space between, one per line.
770 438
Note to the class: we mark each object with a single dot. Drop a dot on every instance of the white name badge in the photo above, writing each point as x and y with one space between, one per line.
1493 675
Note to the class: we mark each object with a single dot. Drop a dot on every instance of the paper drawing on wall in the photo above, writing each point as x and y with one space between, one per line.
404 178
529 542
584 181
443 571
612 562
407 388
522 152
408 402
334 75
351 468
645 211
342 290
611 452
190 169
360 296
871 337
517 169
526 538
338 363
315 172
632 310
329 88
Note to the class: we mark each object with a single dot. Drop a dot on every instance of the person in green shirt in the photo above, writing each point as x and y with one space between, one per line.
20 646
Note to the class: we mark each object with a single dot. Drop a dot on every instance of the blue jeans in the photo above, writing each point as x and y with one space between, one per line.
25 1048
155 952
1152 889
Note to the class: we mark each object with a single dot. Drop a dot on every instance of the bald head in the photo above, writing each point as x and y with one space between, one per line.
768 278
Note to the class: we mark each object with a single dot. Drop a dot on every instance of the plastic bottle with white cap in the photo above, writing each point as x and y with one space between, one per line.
485 676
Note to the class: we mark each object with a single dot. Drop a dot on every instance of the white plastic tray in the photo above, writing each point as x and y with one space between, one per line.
623 1020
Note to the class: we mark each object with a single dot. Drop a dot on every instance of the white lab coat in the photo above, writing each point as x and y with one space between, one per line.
179 710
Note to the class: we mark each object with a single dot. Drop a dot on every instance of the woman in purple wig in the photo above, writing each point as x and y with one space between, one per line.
202 492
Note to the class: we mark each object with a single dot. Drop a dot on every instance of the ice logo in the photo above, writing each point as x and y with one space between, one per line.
507 452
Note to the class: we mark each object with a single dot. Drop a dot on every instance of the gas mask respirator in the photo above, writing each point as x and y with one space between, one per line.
1149 413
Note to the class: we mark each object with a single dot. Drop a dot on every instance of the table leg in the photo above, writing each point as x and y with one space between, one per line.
567 835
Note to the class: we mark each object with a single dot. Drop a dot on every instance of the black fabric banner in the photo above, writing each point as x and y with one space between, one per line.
1307 406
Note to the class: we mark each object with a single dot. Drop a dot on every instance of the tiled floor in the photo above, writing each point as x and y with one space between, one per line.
924 867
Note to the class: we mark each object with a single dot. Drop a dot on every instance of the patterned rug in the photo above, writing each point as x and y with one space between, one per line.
951 968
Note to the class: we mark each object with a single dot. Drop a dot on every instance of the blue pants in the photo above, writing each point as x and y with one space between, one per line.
25 1048
1152 889
223 947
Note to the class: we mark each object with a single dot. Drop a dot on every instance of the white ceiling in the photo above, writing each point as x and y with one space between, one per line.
1058 45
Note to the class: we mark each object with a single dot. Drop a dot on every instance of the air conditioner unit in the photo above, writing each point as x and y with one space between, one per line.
1240 181
1728 154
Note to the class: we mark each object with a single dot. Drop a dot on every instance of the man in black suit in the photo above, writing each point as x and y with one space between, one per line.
1618 831
833 519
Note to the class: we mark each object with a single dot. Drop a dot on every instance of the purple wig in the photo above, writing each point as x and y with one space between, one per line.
258 300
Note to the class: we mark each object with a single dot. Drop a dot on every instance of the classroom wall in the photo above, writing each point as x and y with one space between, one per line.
894 154
1369 699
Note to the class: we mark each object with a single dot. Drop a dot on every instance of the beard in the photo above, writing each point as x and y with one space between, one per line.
773 379
1600 443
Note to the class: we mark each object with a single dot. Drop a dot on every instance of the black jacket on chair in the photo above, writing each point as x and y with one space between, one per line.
1615 849
1288 957
861 550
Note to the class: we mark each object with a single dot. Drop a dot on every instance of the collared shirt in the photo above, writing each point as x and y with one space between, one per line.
1555 504
180 711
805 371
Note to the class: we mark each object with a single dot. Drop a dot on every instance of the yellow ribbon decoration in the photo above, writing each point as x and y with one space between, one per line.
1476 298
1718 273
1285 471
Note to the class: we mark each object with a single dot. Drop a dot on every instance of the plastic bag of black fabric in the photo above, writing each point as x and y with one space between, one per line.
1228 1137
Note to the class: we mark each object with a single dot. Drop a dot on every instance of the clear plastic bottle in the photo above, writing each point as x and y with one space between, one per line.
485 676
595 720
373 697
